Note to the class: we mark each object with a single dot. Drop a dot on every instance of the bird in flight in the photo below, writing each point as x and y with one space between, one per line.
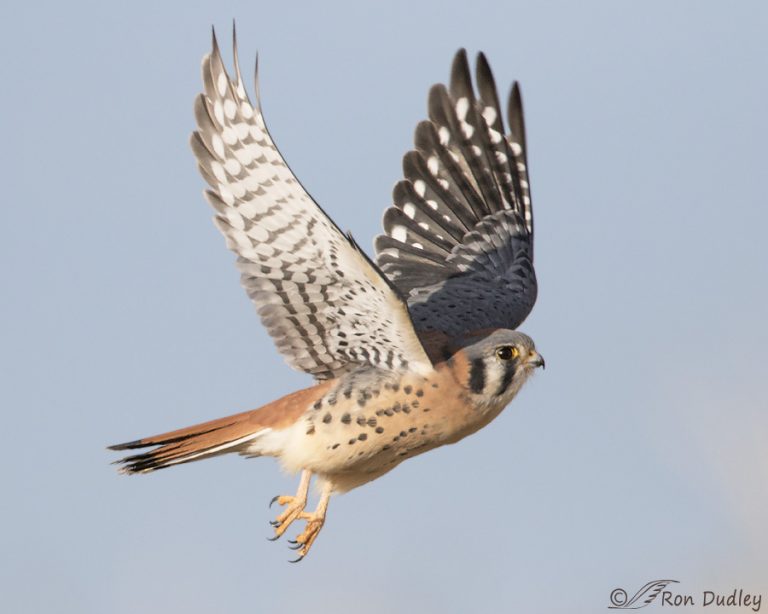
410 352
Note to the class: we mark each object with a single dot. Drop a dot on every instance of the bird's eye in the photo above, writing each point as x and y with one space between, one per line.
507 352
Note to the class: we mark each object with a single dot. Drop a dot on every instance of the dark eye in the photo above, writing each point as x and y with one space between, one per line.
507 352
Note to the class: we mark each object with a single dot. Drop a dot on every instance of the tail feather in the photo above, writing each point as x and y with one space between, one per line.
191 443
230 434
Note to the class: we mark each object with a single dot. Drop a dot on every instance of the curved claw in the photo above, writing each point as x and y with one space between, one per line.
295 546
275 523
298 560
274 539
275 498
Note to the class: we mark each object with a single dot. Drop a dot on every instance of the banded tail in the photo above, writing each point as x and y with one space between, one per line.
230 434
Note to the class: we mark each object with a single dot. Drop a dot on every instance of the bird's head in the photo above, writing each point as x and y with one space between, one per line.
498 363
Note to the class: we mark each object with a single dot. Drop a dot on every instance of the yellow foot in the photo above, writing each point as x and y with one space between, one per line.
304 540
294 509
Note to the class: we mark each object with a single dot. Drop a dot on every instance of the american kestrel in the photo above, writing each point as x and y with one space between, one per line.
410 352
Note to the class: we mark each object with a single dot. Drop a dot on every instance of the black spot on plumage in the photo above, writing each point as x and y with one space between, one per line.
346 419
477 376
327 418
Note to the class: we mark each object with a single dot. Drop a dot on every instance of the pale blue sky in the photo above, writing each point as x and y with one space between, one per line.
640 453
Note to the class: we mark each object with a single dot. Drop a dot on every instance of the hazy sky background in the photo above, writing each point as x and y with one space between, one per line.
641 452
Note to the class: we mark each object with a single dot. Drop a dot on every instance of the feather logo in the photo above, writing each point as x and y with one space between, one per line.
642 598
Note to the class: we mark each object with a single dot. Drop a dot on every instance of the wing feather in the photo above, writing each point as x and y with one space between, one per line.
327 306
458 240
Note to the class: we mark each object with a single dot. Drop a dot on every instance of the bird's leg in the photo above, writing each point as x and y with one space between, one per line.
295 505
315 521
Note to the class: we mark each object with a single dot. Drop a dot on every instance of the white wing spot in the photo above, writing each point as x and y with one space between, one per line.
218 171
399 233
420 187
409 210
218 112
228 135
221 84
233 166
218 145
230 108
462 106
432 164
489 115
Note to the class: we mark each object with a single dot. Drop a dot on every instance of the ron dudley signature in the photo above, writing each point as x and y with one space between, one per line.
656 592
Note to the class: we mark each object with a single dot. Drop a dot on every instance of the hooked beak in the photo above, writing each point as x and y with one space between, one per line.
536 360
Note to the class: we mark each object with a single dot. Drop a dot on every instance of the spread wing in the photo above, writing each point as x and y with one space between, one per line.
327 306
459 238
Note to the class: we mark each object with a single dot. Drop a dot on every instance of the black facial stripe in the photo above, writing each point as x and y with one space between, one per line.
509 372
477 376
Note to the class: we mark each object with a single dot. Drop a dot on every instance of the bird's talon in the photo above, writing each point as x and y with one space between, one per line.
296 546
275 498
275 538
298 560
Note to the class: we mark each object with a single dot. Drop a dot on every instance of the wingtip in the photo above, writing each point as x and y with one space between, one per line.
483 70
236 60
515 114
214 41
461 53
461 82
